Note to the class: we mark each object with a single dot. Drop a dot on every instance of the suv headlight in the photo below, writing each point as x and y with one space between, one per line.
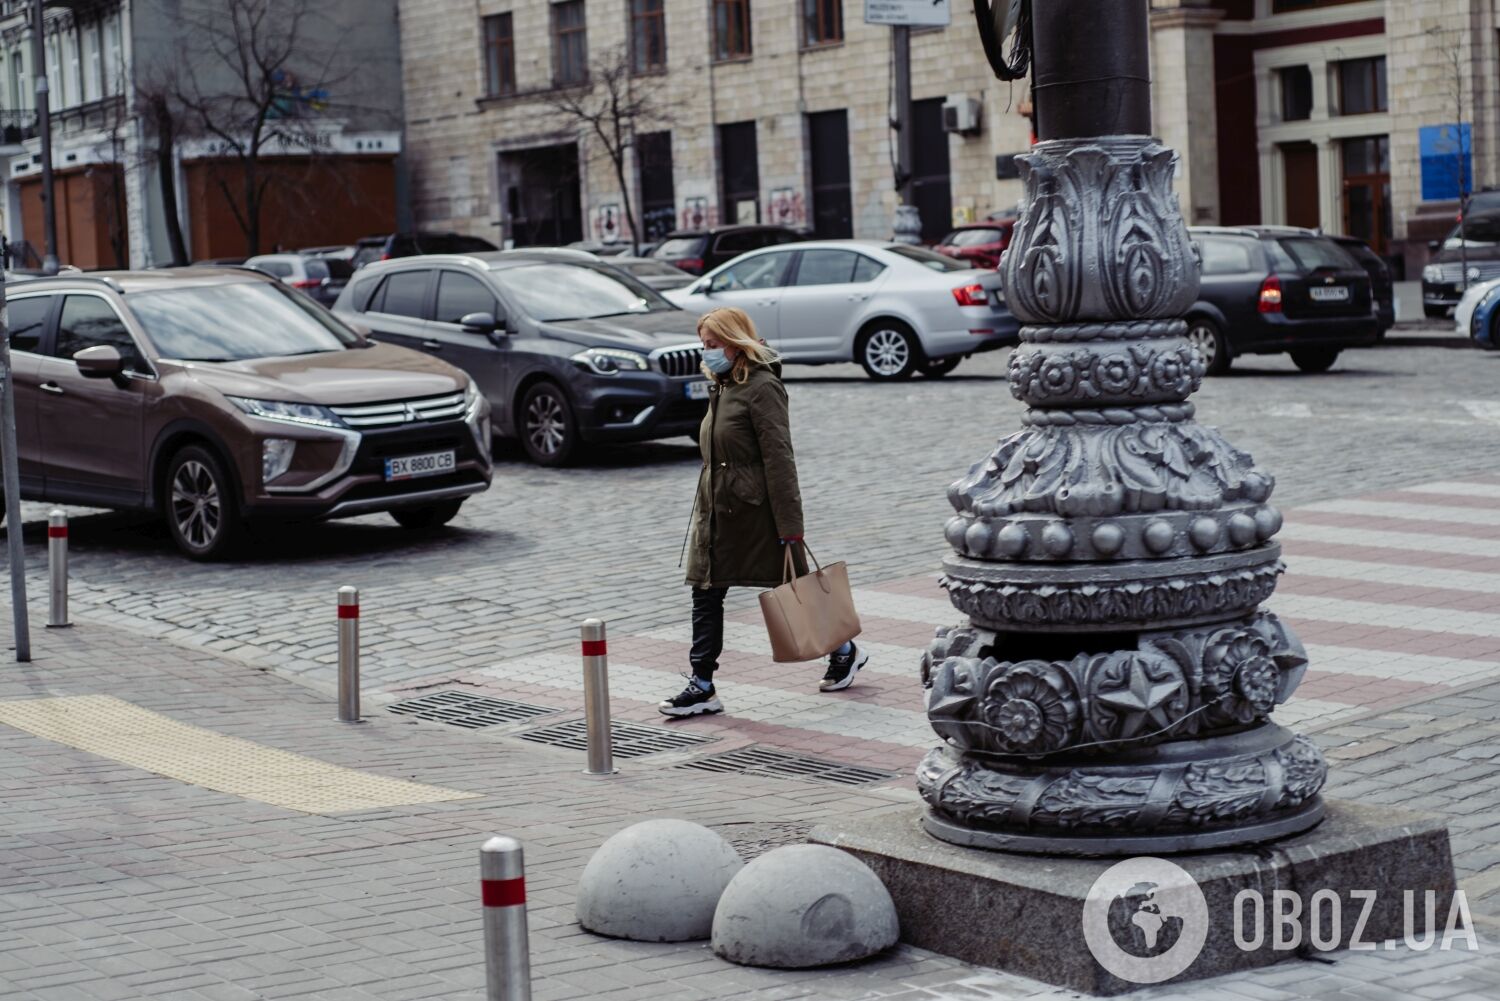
290 413
1432 273
477 416
610 361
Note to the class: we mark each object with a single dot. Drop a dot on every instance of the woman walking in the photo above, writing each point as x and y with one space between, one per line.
747 506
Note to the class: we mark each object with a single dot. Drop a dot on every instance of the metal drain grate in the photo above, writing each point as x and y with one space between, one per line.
629 740
468 711
757 760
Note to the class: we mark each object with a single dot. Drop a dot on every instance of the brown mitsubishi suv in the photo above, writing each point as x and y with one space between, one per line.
216 396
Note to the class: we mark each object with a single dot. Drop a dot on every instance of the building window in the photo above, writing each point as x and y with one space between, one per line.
570 47
648 36
740 169
1362 86
499 56
731 29
1296 93
1290 6
822 22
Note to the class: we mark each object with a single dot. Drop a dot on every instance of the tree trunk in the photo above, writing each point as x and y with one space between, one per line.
252 210
635 235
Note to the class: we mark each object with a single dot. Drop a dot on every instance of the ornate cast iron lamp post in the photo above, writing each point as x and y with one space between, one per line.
1113 689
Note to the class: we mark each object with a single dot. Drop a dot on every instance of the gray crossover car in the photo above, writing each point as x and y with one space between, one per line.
567 349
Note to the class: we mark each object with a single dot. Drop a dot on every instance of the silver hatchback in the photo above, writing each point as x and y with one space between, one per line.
894 309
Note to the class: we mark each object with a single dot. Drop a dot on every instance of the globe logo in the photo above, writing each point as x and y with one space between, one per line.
1145 920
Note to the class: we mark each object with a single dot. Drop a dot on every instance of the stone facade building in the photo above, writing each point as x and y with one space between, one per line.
103 56
1340 114
1309 112
777 111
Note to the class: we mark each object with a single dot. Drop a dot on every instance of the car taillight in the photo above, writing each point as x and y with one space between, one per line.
1270 295
306 283
971 295
692 265
385 255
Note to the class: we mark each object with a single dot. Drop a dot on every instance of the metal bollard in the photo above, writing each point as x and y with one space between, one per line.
507 952
348 654
596 698
57 566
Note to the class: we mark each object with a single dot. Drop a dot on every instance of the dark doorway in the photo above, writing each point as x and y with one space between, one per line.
1367 190
738 165
828 142
930 186
1299 164
653 152
540 192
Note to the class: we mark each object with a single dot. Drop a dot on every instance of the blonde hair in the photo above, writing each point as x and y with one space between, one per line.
732 327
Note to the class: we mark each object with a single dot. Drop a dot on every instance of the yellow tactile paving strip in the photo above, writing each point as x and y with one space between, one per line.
116 729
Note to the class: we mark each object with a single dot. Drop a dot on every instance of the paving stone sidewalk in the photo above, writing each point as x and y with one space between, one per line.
116 883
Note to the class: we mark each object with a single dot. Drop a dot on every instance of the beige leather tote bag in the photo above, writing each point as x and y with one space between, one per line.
811 616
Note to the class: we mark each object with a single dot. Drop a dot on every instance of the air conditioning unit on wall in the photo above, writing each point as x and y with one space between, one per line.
961 114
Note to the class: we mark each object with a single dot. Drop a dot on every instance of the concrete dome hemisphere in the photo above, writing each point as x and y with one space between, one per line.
656 881
802 906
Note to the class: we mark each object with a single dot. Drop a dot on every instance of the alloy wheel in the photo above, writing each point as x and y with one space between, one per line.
196 505
546 424
887 352
1202 337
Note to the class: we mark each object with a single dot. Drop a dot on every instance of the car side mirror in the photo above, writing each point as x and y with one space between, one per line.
719 283
362 329
102 361
1434 245
479 323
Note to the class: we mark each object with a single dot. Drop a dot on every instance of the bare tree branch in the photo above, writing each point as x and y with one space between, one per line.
611 110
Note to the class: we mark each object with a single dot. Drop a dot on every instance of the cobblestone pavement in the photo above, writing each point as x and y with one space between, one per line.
120 883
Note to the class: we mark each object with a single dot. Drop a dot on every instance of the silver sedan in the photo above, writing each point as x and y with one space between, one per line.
893 308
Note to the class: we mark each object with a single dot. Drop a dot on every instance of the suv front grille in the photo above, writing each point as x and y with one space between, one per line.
379 415
680 363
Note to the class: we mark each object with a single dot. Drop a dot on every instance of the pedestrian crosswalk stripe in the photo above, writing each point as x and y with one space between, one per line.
115 729
1415 540
1406 511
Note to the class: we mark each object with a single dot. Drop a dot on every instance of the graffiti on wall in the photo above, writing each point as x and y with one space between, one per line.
698 214
787 208
607 223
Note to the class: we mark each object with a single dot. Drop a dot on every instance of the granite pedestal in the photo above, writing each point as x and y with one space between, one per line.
1025 913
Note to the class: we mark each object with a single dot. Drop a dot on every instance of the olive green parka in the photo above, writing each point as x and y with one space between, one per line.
747 496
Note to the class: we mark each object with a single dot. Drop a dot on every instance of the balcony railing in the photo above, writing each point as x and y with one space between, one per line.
16 127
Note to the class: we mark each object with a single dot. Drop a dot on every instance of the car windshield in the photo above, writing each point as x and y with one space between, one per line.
681 246
658 268
928 258
557 291
1478 230
236 321
1312 254
971 237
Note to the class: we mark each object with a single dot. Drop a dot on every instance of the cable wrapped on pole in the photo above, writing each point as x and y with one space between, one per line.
997 19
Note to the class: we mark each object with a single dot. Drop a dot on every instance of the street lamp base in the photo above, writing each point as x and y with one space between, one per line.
1196 794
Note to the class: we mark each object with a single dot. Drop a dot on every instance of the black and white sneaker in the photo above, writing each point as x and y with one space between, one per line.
691 702
842 668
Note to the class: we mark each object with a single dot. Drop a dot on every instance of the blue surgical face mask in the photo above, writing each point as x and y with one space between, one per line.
717 361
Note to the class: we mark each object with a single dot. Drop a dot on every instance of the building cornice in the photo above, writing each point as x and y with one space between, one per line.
1186 17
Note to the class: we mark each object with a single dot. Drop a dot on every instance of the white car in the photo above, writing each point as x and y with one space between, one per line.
1463 315
893 308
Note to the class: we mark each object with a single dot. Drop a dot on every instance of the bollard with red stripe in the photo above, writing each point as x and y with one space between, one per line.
507 952
57 566
596 698
348 654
